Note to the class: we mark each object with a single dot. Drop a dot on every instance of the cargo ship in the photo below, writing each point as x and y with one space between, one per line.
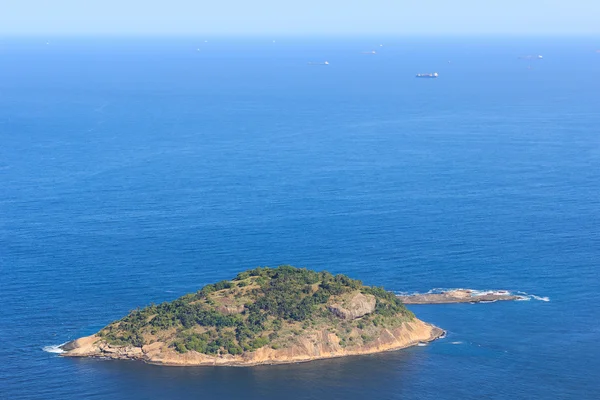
434 75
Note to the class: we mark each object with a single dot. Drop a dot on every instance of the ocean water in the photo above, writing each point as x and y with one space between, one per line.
138 170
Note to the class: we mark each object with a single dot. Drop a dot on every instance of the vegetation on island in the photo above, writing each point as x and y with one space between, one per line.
260 307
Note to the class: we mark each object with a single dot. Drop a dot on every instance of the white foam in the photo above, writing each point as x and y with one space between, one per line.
421 344
54 349
456 343
477 293
526 296
540 298
442 290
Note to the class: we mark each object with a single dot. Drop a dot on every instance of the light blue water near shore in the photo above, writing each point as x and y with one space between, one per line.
135 171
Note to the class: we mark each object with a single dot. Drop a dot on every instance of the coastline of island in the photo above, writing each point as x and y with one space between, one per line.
263 316
327 346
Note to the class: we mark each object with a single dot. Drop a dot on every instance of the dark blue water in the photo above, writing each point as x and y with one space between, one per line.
135 171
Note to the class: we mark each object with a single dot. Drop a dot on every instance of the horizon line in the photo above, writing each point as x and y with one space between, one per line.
299 35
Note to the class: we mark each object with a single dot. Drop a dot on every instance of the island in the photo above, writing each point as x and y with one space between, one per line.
459 296
263 316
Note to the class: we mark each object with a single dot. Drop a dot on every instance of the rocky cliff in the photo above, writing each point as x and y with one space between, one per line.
356 306
314 346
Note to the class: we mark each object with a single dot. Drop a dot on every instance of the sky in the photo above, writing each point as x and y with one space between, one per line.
299 17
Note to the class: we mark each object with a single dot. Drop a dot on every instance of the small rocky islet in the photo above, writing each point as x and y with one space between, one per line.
459 296
263 316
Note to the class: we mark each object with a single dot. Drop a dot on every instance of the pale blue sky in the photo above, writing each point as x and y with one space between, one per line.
292 17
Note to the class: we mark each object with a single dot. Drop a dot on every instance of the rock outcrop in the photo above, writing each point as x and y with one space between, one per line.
230 309
357 306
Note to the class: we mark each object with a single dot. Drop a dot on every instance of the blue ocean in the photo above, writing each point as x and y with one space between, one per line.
136 170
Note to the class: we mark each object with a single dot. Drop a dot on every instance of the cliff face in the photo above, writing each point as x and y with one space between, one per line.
307 347
357 306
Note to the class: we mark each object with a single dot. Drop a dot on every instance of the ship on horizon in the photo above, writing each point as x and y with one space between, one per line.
433 75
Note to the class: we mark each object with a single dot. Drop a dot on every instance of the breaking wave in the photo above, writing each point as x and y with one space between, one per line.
540 298
54 349
526 296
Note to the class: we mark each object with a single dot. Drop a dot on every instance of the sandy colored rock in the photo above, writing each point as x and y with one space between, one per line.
230 309
83 346
357 306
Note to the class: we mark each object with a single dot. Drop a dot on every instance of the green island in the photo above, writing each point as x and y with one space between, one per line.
262 316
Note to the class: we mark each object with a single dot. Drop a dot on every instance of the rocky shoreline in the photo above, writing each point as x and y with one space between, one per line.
263 316
311 346
319 345
458 296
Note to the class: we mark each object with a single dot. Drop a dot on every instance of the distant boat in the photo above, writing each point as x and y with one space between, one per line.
369 52
434 75
318 63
